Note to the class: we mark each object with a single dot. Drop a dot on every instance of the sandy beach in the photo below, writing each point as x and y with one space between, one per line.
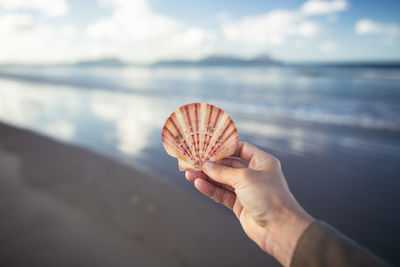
62 205
65 206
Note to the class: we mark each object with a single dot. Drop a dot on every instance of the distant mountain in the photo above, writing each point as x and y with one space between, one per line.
102 62
221 60
351 64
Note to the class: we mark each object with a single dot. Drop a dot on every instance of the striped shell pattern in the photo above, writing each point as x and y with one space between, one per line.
199 132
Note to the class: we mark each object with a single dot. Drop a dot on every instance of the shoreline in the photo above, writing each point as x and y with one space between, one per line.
65 204
90 197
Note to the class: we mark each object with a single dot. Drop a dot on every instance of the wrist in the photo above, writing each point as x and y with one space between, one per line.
284 232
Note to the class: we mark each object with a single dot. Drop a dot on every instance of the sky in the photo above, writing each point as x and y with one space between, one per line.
144 31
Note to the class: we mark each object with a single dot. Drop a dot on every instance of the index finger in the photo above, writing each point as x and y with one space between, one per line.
247 151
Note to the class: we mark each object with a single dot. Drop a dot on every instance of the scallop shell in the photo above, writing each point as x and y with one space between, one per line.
199 132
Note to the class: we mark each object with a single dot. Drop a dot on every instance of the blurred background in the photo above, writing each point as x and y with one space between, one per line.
314 82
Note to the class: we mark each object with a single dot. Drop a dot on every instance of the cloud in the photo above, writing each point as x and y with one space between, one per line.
388 32
137 32
132 31
15 22
271 28
132 21
366 26
279 26
318 7
32 41
51 8
328 47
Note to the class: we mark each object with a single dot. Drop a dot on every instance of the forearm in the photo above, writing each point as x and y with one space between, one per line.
284 232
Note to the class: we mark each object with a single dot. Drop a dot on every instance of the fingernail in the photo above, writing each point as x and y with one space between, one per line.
208 165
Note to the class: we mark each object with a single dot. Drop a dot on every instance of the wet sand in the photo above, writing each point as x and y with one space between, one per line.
62 205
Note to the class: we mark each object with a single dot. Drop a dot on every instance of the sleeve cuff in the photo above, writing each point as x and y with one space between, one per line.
322 245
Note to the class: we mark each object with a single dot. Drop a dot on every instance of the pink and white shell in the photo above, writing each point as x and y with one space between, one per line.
199 132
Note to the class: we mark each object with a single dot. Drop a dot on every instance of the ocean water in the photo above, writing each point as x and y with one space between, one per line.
336 130
286 110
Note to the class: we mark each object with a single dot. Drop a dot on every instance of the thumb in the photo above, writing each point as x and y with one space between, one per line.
222 174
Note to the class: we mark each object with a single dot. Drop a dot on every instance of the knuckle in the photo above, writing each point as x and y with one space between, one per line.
237 174
217 197
275 161
224 199
220 171
245 143
213 195
244 174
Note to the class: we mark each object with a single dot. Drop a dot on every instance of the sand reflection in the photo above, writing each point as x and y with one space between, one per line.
133 117
38 108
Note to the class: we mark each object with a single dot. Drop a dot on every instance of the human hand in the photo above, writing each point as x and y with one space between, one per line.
255 189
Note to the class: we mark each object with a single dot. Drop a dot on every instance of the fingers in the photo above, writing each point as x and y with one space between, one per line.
218 194
192 175
237 208
229 162
232 162
247 151
222 174
252 154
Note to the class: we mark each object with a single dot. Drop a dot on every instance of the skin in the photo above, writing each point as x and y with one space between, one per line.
255 189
